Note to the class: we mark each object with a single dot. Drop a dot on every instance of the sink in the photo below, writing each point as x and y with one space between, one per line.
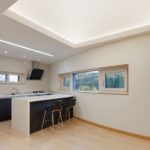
13 94
17 94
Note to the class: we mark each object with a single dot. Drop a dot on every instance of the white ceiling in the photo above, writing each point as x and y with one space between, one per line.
66 27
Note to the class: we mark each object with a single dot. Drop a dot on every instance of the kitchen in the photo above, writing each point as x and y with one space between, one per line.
74 75
36 75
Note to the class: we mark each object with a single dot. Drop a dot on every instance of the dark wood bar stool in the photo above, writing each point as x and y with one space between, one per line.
55 108
71 104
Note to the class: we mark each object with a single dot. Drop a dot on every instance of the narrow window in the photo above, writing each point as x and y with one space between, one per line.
115 80
106 80
66 82
86 81
13 78
2 78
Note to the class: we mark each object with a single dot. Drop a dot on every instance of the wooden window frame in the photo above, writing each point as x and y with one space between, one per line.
102 89
20 75
123 68
61 80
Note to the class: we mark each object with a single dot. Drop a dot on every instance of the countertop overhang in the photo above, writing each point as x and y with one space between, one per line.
43 98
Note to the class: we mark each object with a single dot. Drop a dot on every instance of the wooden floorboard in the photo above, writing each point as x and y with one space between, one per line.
77 135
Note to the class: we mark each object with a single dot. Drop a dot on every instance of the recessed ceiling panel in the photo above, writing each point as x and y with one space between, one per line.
78 21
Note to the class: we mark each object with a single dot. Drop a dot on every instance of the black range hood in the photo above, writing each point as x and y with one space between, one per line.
35 73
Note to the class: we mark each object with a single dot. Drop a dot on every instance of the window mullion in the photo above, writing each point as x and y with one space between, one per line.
6 78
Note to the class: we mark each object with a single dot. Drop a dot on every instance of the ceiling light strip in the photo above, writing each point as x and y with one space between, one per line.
26 48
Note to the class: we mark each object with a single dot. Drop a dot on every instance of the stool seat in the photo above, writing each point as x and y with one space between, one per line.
48 108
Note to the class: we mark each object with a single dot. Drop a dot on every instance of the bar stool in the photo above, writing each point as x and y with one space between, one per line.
71 104
56 107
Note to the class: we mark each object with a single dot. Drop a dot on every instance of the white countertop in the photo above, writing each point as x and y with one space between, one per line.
43 98
2 96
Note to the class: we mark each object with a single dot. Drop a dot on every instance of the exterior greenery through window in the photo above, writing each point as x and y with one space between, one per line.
103 80
86 81
114 79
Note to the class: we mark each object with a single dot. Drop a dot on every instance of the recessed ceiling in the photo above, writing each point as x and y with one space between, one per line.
75 22
66 27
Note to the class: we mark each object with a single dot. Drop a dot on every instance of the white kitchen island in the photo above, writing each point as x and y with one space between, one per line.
21 112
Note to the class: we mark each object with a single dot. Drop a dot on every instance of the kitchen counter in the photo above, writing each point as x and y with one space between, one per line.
42 98
2 96
27 112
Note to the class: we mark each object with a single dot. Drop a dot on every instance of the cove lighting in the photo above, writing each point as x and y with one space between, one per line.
26 48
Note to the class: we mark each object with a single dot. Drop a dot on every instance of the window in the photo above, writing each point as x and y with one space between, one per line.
115 80
11 78
65 81
86 81
102 80
2 78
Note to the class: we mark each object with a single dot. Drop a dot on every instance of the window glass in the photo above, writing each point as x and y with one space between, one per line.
13 78
86 81
2 77
66 82
115 79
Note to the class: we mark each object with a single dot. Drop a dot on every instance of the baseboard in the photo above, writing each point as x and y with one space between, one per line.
116 130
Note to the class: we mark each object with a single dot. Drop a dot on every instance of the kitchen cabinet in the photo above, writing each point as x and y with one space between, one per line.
5 109
37 112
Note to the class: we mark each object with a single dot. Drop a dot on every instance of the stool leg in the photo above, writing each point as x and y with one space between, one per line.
61 117
43 120
66 113
69 114
53 119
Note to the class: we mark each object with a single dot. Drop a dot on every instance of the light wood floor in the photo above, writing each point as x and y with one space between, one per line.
75 136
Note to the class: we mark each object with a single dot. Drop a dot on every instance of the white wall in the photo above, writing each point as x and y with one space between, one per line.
19 66
125 112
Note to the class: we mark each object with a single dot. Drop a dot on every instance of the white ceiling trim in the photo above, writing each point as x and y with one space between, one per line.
36 26
117 35
145 28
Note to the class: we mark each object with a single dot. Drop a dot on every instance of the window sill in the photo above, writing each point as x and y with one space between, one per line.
90 92
12 83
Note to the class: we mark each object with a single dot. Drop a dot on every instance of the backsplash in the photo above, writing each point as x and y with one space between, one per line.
20 66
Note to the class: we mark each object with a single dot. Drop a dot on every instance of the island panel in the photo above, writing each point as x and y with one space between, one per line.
37 113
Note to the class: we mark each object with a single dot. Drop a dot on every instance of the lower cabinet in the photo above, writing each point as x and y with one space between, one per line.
5 109
37 113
